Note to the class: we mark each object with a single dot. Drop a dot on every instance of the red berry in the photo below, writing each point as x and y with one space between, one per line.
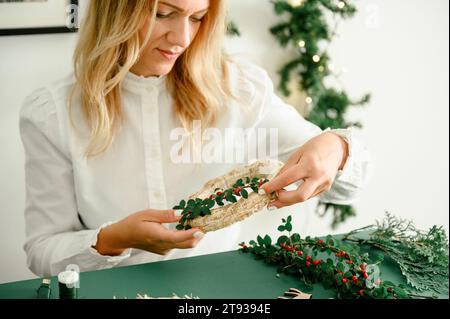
282 245
365 275
344 280
308 264
295 247
363 268
361 292
236 191
261 182
211 197
320 242
300 253
349 262
219 193
289 248
316 262
308 258
354 278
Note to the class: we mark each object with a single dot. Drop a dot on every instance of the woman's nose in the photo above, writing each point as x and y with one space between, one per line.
180 34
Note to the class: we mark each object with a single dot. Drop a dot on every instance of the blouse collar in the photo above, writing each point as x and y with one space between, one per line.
138 81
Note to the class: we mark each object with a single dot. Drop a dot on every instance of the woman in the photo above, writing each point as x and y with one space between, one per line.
101 166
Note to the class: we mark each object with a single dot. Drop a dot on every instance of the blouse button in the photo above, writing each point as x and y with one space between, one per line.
157 194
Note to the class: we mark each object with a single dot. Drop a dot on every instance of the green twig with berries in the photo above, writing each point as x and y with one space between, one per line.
335 263
199 207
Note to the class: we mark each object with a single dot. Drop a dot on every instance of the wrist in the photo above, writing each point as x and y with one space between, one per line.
343 148
109 241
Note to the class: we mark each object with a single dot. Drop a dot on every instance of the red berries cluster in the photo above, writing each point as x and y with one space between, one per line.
308 261
354 278
342 254
363 271
286 247
244 246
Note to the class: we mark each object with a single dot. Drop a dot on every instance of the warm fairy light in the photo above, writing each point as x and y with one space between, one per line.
301 44
341 4
309 100
316 58
296 3
321 68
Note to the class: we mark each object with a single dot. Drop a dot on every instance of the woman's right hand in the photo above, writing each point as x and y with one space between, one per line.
144 230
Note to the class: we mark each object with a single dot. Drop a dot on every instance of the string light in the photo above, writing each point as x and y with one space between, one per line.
341 5
309 100
316 58
296 3
301 44
332 113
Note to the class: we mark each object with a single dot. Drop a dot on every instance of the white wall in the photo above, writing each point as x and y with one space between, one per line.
397 50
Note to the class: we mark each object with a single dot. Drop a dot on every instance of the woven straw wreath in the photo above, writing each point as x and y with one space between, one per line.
231 213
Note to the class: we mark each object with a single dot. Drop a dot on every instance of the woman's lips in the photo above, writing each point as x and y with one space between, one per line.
168 55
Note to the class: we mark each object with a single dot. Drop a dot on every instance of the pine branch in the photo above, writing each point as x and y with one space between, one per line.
421 256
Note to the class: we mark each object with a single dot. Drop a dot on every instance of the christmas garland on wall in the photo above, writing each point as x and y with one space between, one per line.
304 27
340 265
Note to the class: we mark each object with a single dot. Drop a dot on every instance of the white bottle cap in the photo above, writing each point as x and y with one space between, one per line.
68 277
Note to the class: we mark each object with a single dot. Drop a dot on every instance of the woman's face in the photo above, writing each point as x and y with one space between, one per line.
177 23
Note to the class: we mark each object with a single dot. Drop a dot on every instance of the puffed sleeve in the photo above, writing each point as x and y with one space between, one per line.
55 236
270 111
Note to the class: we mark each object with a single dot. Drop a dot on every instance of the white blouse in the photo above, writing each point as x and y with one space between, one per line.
69 198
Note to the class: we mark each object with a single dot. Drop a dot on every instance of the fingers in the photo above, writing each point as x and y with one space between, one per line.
188 244
304 192
179 236
160 216
289 176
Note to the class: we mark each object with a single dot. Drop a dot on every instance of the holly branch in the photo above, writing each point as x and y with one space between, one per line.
335 263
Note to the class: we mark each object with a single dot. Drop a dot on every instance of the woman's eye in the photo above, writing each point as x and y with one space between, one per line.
162 16
197 19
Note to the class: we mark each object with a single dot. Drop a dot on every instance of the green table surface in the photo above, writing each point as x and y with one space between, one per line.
228 275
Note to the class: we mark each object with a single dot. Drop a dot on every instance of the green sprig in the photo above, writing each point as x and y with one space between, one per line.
423 257
198 207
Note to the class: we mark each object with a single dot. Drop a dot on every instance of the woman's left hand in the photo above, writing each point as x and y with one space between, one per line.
316 163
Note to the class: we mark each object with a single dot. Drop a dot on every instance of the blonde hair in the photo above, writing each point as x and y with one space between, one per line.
109 45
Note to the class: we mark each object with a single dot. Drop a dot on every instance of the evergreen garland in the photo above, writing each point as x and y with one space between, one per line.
339 264
304 27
